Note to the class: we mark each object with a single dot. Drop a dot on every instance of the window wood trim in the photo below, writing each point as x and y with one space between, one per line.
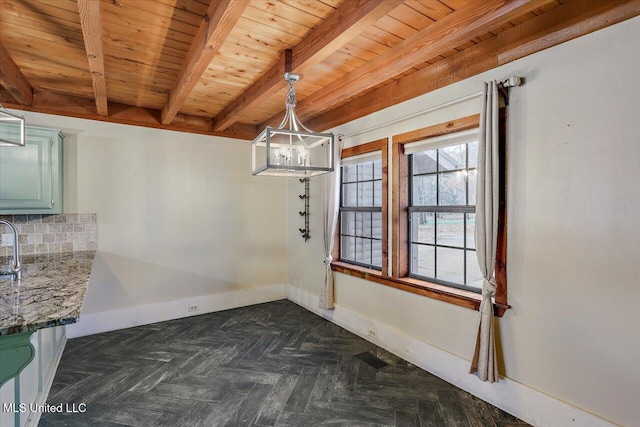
400 202
369 147
399 278
400 190
458 125
436 291
501 248
400 209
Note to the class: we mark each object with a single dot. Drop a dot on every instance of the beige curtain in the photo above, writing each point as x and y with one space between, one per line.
330 210
484 360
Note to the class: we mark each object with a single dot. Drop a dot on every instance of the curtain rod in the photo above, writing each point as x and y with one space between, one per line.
508 83
419 113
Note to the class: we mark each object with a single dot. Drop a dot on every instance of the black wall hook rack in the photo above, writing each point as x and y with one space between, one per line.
305 231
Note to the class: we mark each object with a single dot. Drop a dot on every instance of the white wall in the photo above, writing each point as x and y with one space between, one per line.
179 215
574 238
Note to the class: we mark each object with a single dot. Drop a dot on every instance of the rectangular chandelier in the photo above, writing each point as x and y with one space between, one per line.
285 152
11 129
291 149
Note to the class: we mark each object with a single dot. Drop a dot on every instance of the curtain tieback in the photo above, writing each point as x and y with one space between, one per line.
328 260
488 288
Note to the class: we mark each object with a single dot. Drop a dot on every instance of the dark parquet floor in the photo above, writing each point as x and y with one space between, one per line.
273 364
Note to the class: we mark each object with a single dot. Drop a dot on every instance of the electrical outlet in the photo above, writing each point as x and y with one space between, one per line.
193 308
373 333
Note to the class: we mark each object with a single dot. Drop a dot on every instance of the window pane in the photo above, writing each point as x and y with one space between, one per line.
377 253
473 179
423 260
450 229
474 277
424 190
358 231
366 224
349 195
363 224
365 171
473 154
452 188
348 223
349 173
377 225
361 231
450 265
444 177
347 248
471 227
422 227
424 162
377 169
365 193
363 250
377 193
454 157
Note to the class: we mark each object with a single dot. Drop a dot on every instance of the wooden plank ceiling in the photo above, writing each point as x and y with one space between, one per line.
216 66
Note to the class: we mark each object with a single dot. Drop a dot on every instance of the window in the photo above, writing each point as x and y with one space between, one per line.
362 224
361 213
432 214
441 213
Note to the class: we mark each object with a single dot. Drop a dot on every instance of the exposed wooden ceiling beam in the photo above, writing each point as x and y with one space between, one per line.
262 89
574 19
12 79
91 23
470 21
73 106
351 19
221 17
564 23
341 26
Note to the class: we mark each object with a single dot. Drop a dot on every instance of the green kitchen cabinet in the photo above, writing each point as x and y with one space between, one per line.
31 176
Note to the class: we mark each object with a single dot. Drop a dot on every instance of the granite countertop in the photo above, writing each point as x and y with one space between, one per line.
50 293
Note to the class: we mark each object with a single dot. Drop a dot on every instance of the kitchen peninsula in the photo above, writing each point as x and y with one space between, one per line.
35 308
50 293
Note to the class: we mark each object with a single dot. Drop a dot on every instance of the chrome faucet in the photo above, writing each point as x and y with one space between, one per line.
16 269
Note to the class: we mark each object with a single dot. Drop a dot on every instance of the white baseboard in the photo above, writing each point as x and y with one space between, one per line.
524 402
95 323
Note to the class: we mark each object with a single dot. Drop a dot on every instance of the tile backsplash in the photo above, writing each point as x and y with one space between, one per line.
41 234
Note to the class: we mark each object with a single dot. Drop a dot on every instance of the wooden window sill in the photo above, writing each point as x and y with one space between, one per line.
455 296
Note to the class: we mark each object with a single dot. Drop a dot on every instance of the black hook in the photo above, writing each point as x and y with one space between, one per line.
302 196
302 213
